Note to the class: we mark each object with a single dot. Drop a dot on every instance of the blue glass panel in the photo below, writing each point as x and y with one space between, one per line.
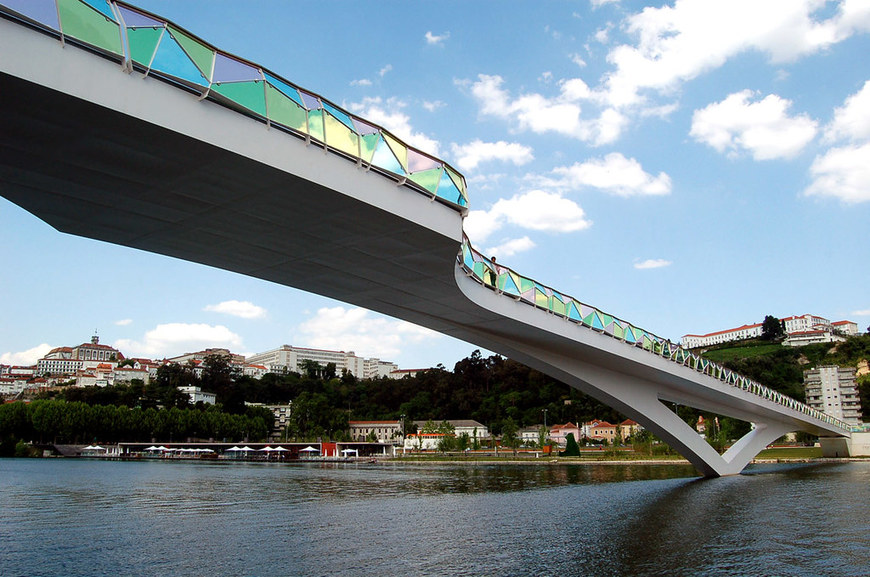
173 61
339 114
228 69
42 11
384 158
629 336
447 189
133 19
509 286
573 313
103 7
288 90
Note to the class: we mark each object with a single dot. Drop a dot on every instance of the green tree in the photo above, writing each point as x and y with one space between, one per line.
772 328
572 449
509 437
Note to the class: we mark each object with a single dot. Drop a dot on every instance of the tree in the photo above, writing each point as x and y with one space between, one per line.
509 437
572 449
772 328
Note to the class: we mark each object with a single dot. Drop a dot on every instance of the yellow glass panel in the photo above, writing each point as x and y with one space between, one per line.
339 136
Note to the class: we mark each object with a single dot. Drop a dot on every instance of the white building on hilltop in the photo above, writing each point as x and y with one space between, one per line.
68 360
800 330
288 358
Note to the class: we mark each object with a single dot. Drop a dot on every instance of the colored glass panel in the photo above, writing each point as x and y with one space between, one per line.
384 158
467 257
629 336
282 86
541 299
363 127
171 60
143 43
508 285
133 18
251 95
618 331
103 7
400 151
558 306
368 145
88 25
428 179
339 136
573 313
447 189
339 115
42 11
596 322
457 180
202 55
284 110
418 161
315 125
310 101
228 69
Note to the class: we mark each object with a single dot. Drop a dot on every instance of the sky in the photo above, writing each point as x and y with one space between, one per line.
687 166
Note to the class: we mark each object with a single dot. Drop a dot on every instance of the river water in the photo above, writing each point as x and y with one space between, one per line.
79 517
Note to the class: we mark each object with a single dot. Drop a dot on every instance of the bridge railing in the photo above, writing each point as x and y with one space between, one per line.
509 283
156 47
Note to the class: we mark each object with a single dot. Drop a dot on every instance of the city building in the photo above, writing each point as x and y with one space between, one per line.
385 431
472 428
287 359
197 395
68 360
598 430
834 390
805 328
282 418
233 358
559 433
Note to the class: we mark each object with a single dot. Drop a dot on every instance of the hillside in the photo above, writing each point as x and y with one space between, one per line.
781 368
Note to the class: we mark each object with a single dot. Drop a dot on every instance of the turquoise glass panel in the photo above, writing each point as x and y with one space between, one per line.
143 43
251 95
288 90
384 158
596 322
339 115
202 55
173 61
507 284
447 189
103 7
573 313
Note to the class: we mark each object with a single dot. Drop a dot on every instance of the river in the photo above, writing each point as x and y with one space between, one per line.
81 517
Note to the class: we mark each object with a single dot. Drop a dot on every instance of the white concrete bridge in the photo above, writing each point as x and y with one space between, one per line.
120 126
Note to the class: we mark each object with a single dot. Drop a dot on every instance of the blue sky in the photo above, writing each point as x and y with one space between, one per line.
688 166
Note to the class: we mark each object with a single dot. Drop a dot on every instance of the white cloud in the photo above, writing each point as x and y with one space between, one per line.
389 115
652 263
124 322
436 39
614 174
361 82
241 309
533 210
360 331
173 339
852 120
383 71
842 173
679 42
434 105
763 128
26 358
578 60
599 3
862 313
510 247
471 154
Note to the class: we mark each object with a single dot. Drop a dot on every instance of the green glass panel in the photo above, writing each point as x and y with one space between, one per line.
368 144
479 269
457 180
400 151
428 179
315 125
558 307
143 43
202 55
526 284
339 136
618 331
251 95
284 110
88 25
541 299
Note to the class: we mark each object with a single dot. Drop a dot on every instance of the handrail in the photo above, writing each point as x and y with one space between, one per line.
505 281
150 44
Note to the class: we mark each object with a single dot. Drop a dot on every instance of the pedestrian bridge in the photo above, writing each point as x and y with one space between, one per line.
118 125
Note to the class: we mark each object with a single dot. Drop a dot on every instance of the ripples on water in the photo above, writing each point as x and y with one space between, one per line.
84 518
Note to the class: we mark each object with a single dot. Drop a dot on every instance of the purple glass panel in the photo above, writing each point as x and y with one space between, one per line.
135 19
228 69
42 11
310 101
417 161
363 127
